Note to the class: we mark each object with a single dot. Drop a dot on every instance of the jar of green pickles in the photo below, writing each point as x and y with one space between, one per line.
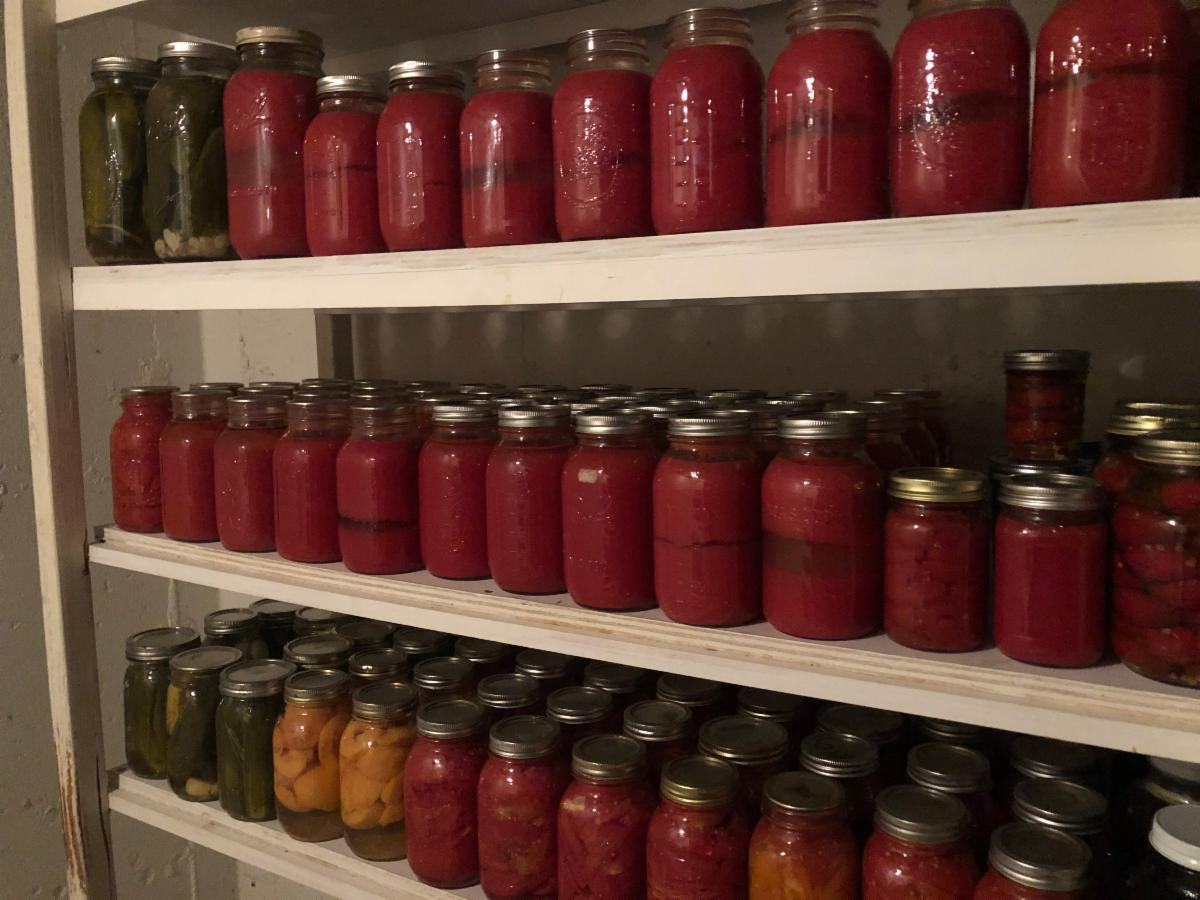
239 628
146 679
112 160
319 651
192 699
278 621
185 152
251 701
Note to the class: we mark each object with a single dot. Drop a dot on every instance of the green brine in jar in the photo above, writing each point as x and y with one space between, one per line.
146 679
251 701
192 720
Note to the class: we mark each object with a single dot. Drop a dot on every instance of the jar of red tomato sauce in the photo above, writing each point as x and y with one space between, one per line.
706 126
707 526
756 747
185 451
919 848
340 184
1156 560
827 116
885 433
420 206
451 474
852 762
242 471
602 137
603 819
1033 862
882 727
426 400
1051 558
936 559
803 846
133 457
963 773
306 514
509 694
932 419
1044 411
1130 420
703 698
506 152
822 514
519 791
665 727
268 103
1111 103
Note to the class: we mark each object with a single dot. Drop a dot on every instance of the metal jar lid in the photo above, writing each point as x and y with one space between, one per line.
235 622
1175 835
384 700
524 737
217 54
1188 773
1180 447
228 387
378 663
773 706
366 634
579 705
149 390
329 85
839 755
451 719
285 387
1073 808
882 415
533 390
1038 757
617 421
535 415
822 426
255 678
1148 418
880 726
420 641
1073 493
937 484
480 651
613 678
276 34
275 612
465 411
657 721
1039 857
489 388
318 651
800 793
160 644
670 393
1000 467
825 397
607 387
321 619
743 741
508 690
203 662
316 686
931 398
442 673
709 423
608 757
125 65
734 395
688 691
416 388
948 732
1047 360
919 815
699 781
949 768
544 665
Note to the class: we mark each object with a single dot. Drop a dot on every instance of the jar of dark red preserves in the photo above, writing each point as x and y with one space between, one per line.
704 699
1044 413
242 471
133 457
549 669
602 820
882 727
960 109
340 185
1130 420
963 773
507 694
443 678
707 527
936 559
420 207
185 452
853 762
1172 870
602 137
827 116
665 727
1051 579
803 846
306 512
520 787
506 152
1110 109
757 748
607 525
919 848
452 471
1074 809
885 434
488 657
1033 862
706 126
1156 560
624 684
931 417
268 103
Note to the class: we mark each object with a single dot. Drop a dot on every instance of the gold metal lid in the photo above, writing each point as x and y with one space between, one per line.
657 721
378 663
937 484
699 781
316 686
1179 447
1065 805
839 755
608 757
613 678
384 700
543 665
1047 360
688 691
420 641
508 690
1073 493
743 741
254 678
449 719
481 651
773 706
524 737
579 705
238 621
277 34
1039 757
949 768
1039 857
880 726
318 651
798 793
442 673
919 815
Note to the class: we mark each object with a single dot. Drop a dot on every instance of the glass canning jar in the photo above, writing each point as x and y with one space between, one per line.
367 634
963 773
421 643
145 694
882 727
704 699
133 457
936 559
305 467
1044 412
509 694
378 664
919 847
420 207
251 701
1172 870
310 620
581 711
1033 862
1074 809
443 678
932 418
1037 757
488 657
943 731
1168 782
1130 420
915 436
242 471
756 748
853 762
238 627
788 710
192 697
550 670
625 684
520 787
885 433
665 727
506 153
269 102
185 452
319 651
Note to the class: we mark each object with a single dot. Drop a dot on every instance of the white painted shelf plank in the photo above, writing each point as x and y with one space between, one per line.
1131 243
330 866
1107 705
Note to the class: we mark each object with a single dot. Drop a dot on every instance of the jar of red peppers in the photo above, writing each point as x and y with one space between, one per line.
549 669
882 727
1110 109
885 433
133 457
509 694
919 847
707 527
519 791
1156 560
803 846
936 558
822 513
624 684
1044 413
931 417
1130 420
444 678
488 657
340 183
305 464
827 116
602 137
703 698
420 207
1032 862
185 451
706 126
853 762
602 820
755 747
960 109
963 773
242 471
1051 585
506 152
666 728
269 102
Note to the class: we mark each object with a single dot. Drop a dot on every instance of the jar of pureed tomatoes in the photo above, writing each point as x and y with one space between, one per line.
268 103
706 126
1044 411
960 109
340 184
602 137
963 773
306 514
935 424
1156 560
919 847
885 434
666 728
707 528
1035 861
822 513
506 152
936 559
1129 421
133 457
420 207
757 748
1051 559
242 471
827 116
852 762
185 451
1111 103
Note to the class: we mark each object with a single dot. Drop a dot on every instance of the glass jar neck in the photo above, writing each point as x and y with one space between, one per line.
698 27
1050 516
124 81
607 50
146 404
194 67
283 57
394 423
615 441
351 102
831 15
623 781
798 821
709 443
194 409
936 506
317 422
514 77
464 431
426 86
922 8
823 447
542 436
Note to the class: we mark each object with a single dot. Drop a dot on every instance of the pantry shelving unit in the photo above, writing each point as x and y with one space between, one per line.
1134 244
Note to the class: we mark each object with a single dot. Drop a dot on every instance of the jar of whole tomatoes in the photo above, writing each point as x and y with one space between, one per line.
787 710
963 773
885 433
1130 420
1172 871
421 643
550 670
581 711
242 471
1044 411
882 727
379 664
134 459
509 694
933 420
665 727
756 748
145 688
1074 809
367 634
704 699
1035 861
192 698
319 651
488 657
853 762
251 701
920 846
241 628
185 452
443 678
625 684
305 466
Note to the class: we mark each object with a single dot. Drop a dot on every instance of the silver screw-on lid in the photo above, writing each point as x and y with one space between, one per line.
318 651
934 484
449 719
919 815
608 757
948 732
465 411
1038 757
544 665
149 390
217 54
799 793
316 686
688 691
1076 493
231 622
743 741
277 34
125 65
330 85
839 755
1073 808
366 633
508 690
822 426
613 678
657 721
699 781
1047 360
378 663
709 423
481 651
420 641
1039 857
612 422
420 70
880 726
949 768
321 619
1187 772
535 415
1179 447
524 737
160 644
773 706
442 673
579 705
275 612
384 700
255 678
203 662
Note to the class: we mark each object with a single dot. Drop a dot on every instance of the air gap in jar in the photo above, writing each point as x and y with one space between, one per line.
1044 409
145 694
185 451
251 701
133 453
305 468
244 481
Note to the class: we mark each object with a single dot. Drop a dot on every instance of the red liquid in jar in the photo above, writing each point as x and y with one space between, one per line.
245 488
306 515
960 112
889 453
377 505
602 840
1114 469
133 457
814 855
185 452
827 125
893 869
696 854
341 183
1044 414
994 886
440 782
452 492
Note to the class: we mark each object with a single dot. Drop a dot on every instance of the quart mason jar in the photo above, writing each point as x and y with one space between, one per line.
239 628
1037 757
185 452
756 748
853 762
919 847
1033 862
488 657
963 773
251 701
1130 420
311 620
278 621
550 670
192 698
443 678
242 471
421 643
580 712
788 710
133 457
319 651
665 727
146 682
367 634
625 684
1172 870
1044 411
885 433
305 467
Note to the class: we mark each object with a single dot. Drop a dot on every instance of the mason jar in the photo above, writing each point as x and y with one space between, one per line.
703 698
488 657
379 664
963 773
443 678
1044 410
146 682
192 699
133 457
581 711
319 651
853 762
756 748
1172 870
239 628
311 620
251 701
1074 809
185 452
278 624
1033 860
509 694
665 727
920 846
242 471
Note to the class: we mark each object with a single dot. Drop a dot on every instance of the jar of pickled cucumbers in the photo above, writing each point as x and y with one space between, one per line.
146 683
239 628
278 624
192 699
251 701
382 664
319 651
